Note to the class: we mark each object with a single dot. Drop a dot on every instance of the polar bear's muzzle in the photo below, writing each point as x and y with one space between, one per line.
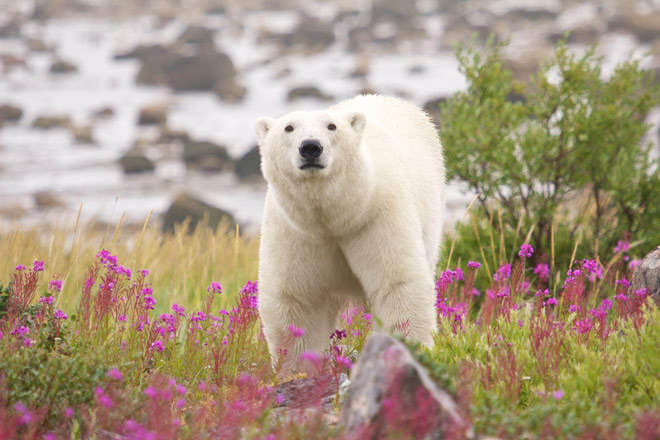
310 151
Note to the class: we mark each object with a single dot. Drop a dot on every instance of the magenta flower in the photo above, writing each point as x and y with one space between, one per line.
180 403
20 267
503 273
346 362
215 287
574 308
68 412
38 266
158 346
311 357
622 246
526 251
624 282
551 302
150 392
473 265
338 335
55 285
115 374
181 389
60 315
48 300
542 270
558 394
634 264
179 310
297 332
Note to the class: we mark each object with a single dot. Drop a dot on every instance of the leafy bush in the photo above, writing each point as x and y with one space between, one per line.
566 164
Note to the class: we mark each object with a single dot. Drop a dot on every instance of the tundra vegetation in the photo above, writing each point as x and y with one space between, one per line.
149 335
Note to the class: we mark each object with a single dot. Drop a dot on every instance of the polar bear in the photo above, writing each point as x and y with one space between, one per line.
354 210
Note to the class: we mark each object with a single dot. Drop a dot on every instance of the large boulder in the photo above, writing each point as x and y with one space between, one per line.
46 122
186 208
647 275
390 392
9 112
249 166
303 92
135 161
83 134
153 115
62 66
311 35
432 107
192 63
646 27
206 156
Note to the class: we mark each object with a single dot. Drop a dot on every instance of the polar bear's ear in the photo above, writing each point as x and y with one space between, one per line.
262 127
357 121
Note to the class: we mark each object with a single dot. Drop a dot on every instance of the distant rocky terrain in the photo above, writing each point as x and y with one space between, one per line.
128 105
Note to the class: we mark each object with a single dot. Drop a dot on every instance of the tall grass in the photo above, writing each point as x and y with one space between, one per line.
182 265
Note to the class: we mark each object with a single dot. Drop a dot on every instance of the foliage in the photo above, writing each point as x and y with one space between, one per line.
577 362
567 163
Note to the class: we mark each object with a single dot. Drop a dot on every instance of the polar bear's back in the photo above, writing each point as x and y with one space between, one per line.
401 120
404 149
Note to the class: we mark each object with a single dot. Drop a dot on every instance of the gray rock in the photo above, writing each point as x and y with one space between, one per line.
190 64
186 208
306 92
153 115
83 134
432 107
391 392
47 199
646 27
11 61
647 275
61 66
103 113
9 112
46 122
249 166
135 161
206 155
37 45
196 35
310 36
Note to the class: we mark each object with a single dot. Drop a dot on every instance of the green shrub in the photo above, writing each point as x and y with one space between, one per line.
567 164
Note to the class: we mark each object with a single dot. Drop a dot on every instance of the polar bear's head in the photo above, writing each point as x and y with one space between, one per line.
309 145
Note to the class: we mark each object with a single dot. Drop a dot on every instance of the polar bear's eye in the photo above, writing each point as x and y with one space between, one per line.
332 127
288 128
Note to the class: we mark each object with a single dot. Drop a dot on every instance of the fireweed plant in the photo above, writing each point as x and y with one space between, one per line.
523 358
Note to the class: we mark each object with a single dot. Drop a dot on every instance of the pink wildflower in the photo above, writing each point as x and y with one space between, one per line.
473 265
297 332
526 251
115 374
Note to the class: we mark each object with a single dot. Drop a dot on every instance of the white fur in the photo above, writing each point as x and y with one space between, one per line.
368 226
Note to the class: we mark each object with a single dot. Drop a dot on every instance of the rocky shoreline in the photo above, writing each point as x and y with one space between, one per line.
155 102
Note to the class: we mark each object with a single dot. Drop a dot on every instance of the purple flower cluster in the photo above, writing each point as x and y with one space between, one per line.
503 273
526 251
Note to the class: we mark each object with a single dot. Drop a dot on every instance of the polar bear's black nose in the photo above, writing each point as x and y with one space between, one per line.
310 149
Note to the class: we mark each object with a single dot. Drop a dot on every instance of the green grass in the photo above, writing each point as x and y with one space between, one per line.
517 369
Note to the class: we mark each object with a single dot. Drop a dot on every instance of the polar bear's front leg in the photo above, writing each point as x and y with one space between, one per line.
293 326
396 278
